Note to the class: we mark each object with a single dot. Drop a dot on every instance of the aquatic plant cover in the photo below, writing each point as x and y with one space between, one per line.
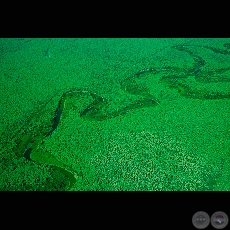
115 114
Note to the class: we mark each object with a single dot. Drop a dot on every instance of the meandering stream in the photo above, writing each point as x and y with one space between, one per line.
172 77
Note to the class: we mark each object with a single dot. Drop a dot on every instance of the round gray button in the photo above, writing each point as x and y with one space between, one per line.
219 220
200 220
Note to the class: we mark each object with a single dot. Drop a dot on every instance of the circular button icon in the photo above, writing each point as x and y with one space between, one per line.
200 220
219 220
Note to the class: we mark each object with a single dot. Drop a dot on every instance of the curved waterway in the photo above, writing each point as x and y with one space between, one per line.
70 174
94 105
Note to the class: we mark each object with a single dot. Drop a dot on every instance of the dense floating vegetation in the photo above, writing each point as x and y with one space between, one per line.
89 106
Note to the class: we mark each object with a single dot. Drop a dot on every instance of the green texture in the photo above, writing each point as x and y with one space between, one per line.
115 114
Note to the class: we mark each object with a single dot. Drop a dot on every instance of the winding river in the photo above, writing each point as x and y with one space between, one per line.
172 77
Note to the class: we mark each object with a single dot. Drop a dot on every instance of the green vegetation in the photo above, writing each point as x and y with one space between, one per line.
149 132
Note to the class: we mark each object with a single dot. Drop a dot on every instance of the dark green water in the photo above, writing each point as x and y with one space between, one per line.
173 77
